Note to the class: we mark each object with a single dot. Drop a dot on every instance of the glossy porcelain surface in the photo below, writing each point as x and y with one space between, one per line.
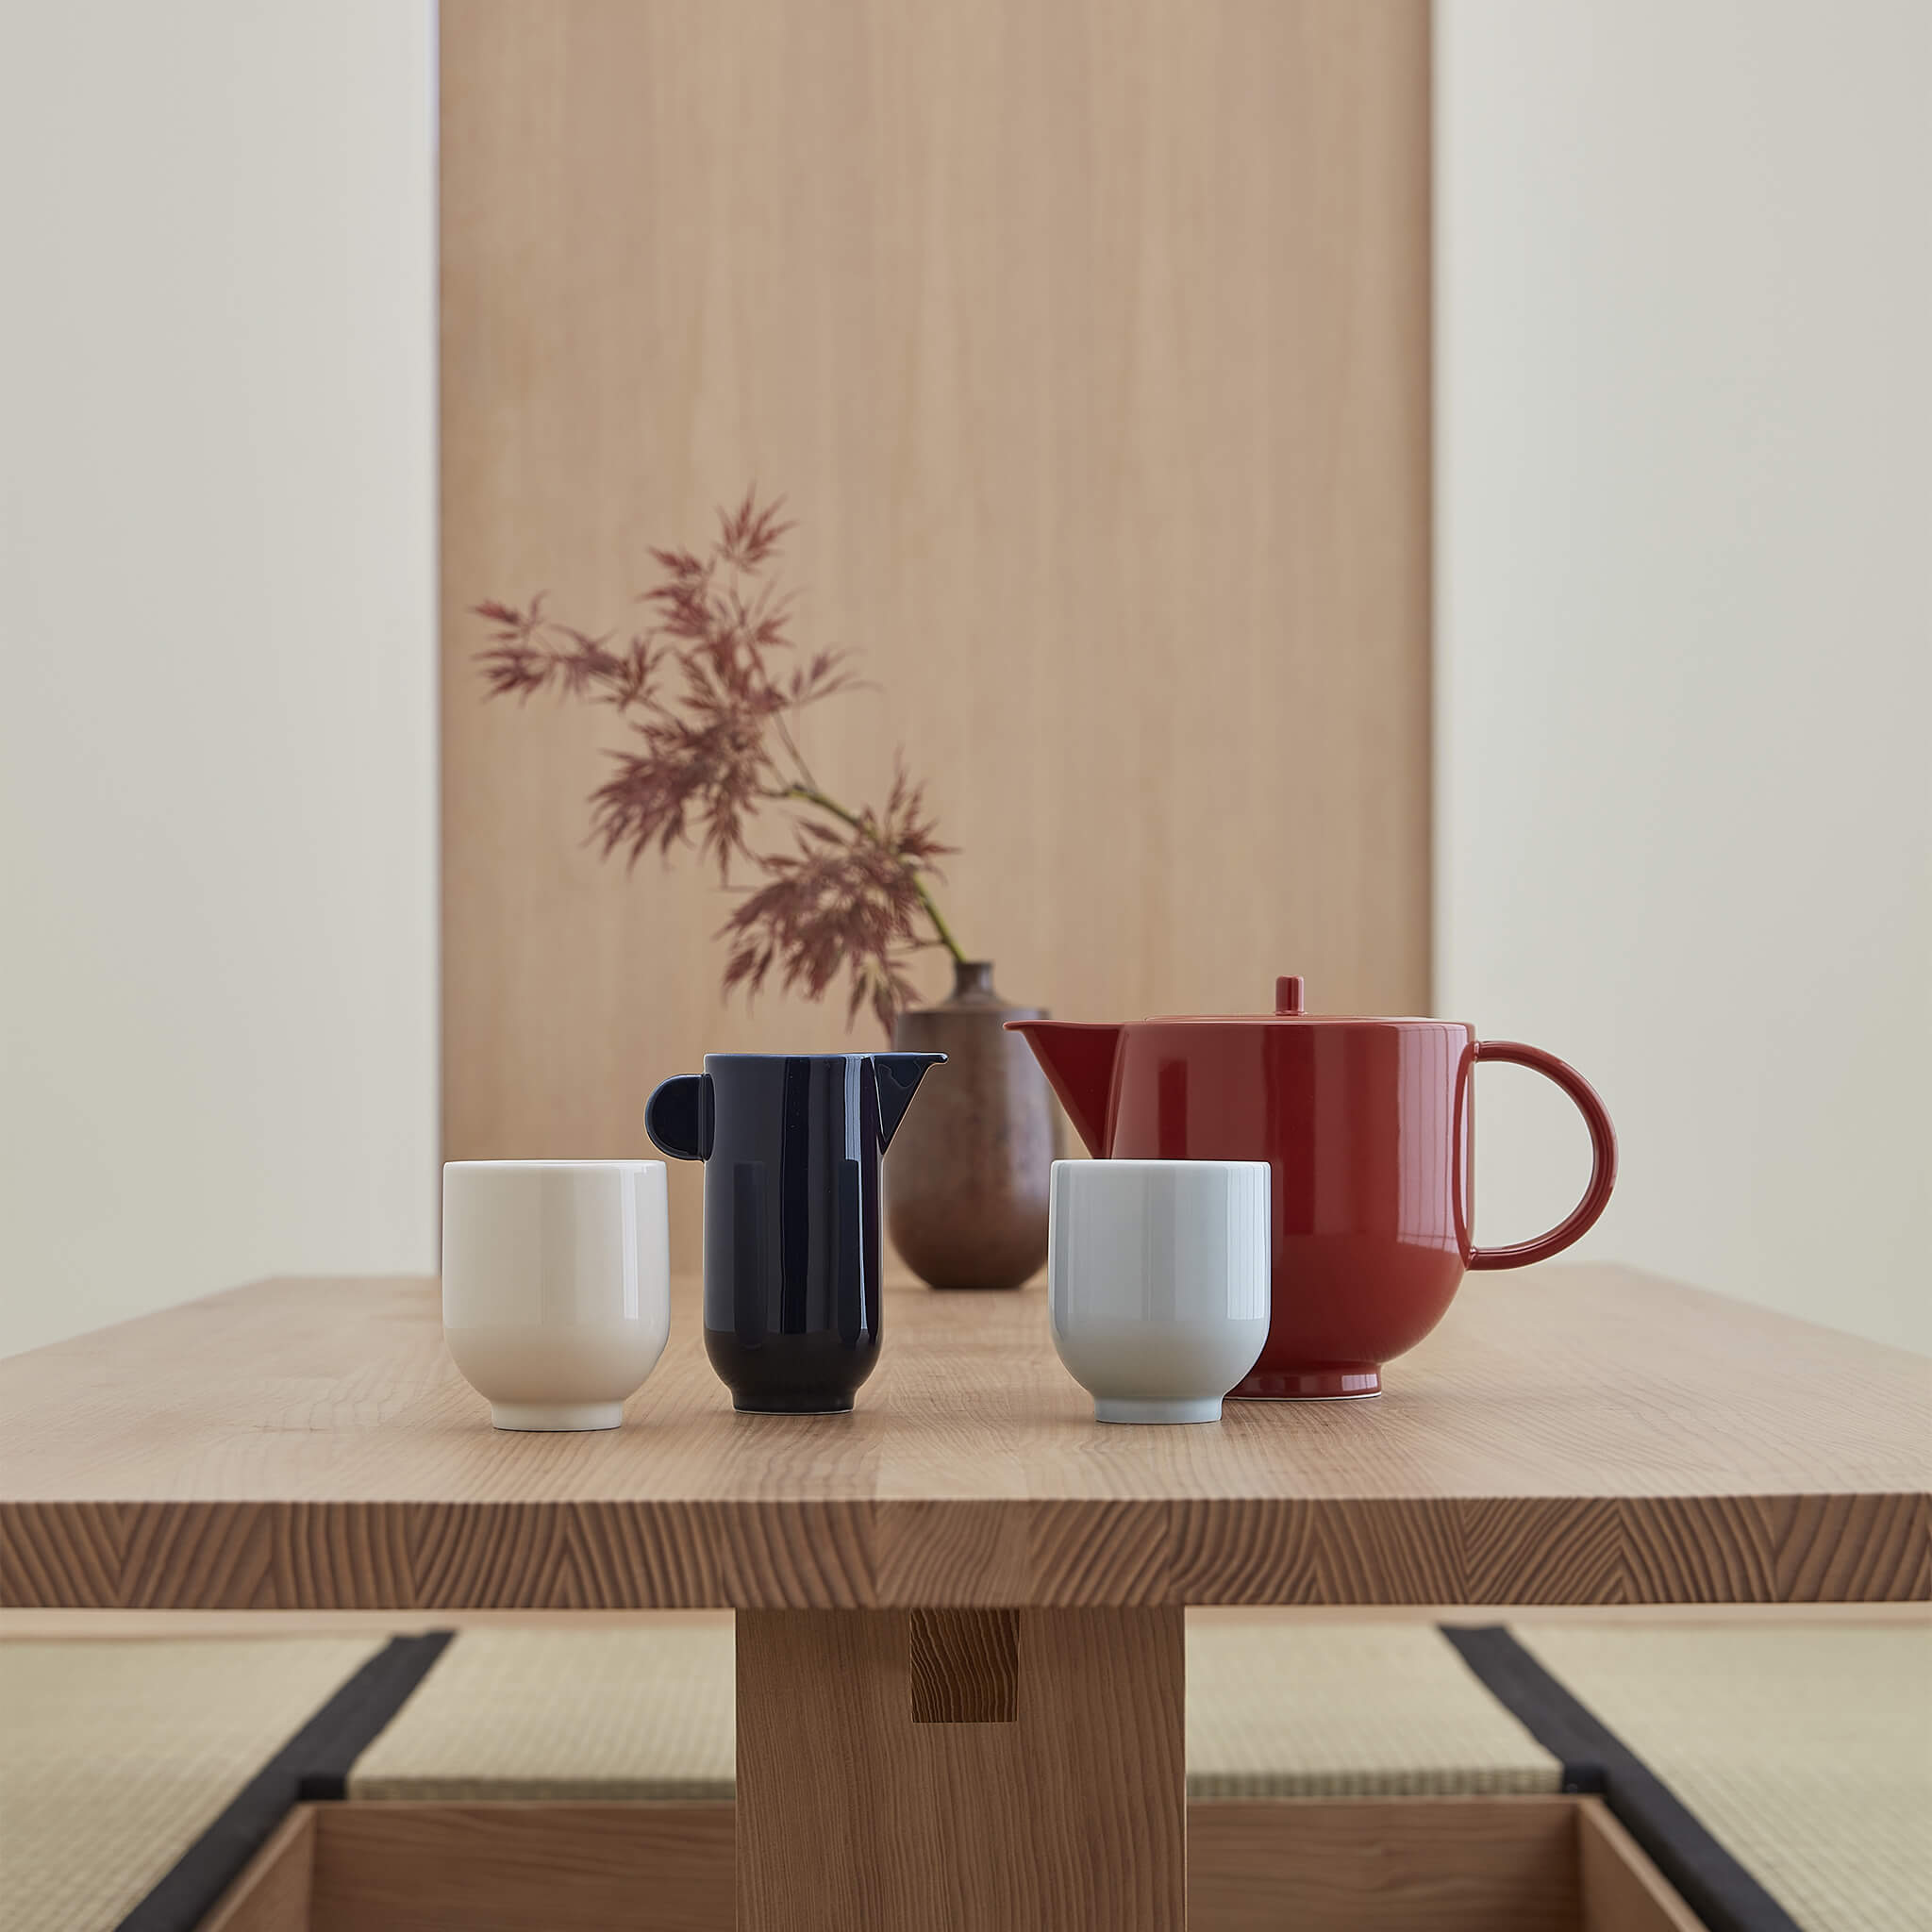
1158 1282
791 1144
1368 1126
556 1285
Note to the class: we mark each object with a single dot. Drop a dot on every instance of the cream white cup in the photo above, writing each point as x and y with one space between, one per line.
1158 1282
556 1285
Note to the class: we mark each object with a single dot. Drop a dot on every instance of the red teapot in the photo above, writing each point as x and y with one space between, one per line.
1368 1126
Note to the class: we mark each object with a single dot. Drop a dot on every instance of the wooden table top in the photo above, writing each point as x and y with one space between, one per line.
1570 1435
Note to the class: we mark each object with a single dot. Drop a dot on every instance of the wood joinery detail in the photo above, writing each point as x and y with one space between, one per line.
964 1666
854 1811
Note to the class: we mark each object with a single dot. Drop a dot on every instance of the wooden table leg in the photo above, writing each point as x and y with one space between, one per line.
983 1771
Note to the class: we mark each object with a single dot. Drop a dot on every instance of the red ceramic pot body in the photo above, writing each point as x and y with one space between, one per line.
1369 1127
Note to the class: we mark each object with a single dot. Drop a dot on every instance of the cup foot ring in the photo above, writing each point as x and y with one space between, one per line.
802 1404
1199 1409
556 1415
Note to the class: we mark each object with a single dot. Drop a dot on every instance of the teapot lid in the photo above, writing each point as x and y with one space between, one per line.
1289 1005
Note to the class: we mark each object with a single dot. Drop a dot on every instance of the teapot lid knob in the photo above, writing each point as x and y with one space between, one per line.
1288 993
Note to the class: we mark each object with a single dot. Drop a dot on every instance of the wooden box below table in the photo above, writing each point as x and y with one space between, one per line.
1504 1864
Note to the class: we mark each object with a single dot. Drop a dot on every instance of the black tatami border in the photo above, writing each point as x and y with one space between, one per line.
1712 1883
314 1763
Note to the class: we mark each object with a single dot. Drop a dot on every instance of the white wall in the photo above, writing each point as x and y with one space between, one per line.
1685 624
1686 427
216 684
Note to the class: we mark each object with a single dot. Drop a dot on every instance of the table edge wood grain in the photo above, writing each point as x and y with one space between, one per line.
612 1556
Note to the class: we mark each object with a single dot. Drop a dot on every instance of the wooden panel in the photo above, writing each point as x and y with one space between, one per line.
550 1868
308 1445
273 1894
1399 1864
1622 1891
1090 348
851 1813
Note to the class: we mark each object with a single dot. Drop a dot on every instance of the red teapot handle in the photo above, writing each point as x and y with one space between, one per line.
1603 1156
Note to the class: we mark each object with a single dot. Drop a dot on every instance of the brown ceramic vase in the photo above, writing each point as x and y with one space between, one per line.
967 1179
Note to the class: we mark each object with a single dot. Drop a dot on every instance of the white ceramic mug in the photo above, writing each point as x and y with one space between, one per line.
556 1285
1158 1282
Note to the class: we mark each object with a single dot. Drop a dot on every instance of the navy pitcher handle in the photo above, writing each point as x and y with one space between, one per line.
679 1117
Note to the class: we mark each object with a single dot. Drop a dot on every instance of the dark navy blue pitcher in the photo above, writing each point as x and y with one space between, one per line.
791 1144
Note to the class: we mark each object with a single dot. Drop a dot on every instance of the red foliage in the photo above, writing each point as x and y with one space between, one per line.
707 690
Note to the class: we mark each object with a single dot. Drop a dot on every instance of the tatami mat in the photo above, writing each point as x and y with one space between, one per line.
589 1714
1347 1710
118 1756
1807 1752
1328 1710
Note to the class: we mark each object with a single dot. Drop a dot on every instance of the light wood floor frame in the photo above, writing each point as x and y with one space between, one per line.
1368 1865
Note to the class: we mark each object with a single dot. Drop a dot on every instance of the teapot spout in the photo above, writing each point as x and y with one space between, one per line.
1078 1061
899 1075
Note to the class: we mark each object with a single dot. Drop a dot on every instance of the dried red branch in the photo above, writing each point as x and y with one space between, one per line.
709 704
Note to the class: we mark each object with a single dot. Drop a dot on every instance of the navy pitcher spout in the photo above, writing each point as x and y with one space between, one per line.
899 1075
791 1144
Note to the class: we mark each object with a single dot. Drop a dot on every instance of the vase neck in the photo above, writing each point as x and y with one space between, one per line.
973 983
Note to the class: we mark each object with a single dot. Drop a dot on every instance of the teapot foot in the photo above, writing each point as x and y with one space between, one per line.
1339 1380
792 1405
